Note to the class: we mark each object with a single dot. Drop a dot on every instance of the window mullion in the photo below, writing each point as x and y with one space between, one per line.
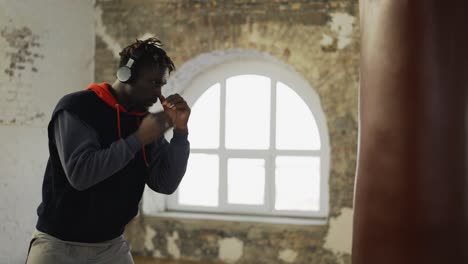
223 188
270 162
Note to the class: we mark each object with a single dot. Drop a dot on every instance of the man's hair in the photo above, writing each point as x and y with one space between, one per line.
152 54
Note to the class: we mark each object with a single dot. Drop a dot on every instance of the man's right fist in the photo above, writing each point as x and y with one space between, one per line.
152 127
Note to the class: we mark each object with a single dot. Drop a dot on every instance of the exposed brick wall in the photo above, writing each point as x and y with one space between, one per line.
319 39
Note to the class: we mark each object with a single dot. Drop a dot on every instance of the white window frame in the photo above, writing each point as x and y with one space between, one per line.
263 213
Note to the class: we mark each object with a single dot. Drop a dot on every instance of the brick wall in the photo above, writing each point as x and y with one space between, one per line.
319 39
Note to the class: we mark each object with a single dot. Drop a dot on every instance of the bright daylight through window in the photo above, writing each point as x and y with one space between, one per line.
255 150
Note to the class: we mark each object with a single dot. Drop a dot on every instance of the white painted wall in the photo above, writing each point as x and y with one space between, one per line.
61 34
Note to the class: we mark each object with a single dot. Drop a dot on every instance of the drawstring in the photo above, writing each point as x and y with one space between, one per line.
144 151
120 133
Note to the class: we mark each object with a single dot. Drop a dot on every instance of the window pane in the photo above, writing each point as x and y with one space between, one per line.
295 124
200 183
297 183
246 181
204 119
248 112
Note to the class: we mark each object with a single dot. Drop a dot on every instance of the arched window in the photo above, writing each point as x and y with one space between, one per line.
259 144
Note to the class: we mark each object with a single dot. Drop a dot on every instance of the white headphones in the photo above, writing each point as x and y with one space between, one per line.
124 73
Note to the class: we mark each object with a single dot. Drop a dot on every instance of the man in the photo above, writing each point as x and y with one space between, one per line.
104 147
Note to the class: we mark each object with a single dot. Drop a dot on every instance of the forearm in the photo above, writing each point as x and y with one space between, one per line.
84 161
169 163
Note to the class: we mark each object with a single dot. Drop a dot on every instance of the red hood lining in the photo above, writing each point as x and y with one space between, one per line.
102 91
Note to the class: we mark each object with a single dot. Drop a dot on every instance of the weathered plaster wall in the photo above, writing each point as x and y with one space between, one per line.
46 50
319 39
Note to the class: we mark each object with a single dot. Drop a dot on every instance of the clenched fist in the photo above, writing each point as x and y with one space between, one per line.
153 126
177 109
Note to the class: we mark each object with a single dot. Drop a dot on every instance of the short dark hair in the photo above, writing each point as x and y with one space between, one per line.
152 54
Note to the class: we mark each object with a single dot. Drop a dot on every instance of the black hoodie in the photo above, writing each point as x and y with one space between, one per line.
99 211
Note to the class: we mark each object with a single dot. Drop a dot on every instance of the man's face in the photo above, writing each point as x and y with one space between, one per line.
146 88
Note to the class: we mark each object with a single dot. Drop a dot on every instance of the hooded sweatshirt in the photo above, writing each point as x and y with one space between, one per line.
97 169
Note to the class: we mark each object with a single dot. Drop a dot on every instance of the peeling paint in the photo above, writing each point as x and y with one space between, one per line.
172 247
287 255
149 235
22 50
339 236
342 24
230 249
326 40
101 31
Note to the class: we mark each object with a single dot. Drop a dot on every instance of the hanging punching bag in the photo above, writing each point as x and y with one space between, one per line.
410 203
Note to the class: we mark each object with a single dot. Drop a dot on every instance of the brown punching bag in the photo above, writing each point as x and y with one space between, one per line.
410 203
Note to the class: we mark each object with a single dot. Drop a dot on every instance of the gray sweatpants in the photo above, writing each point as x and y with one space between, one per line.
46 249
